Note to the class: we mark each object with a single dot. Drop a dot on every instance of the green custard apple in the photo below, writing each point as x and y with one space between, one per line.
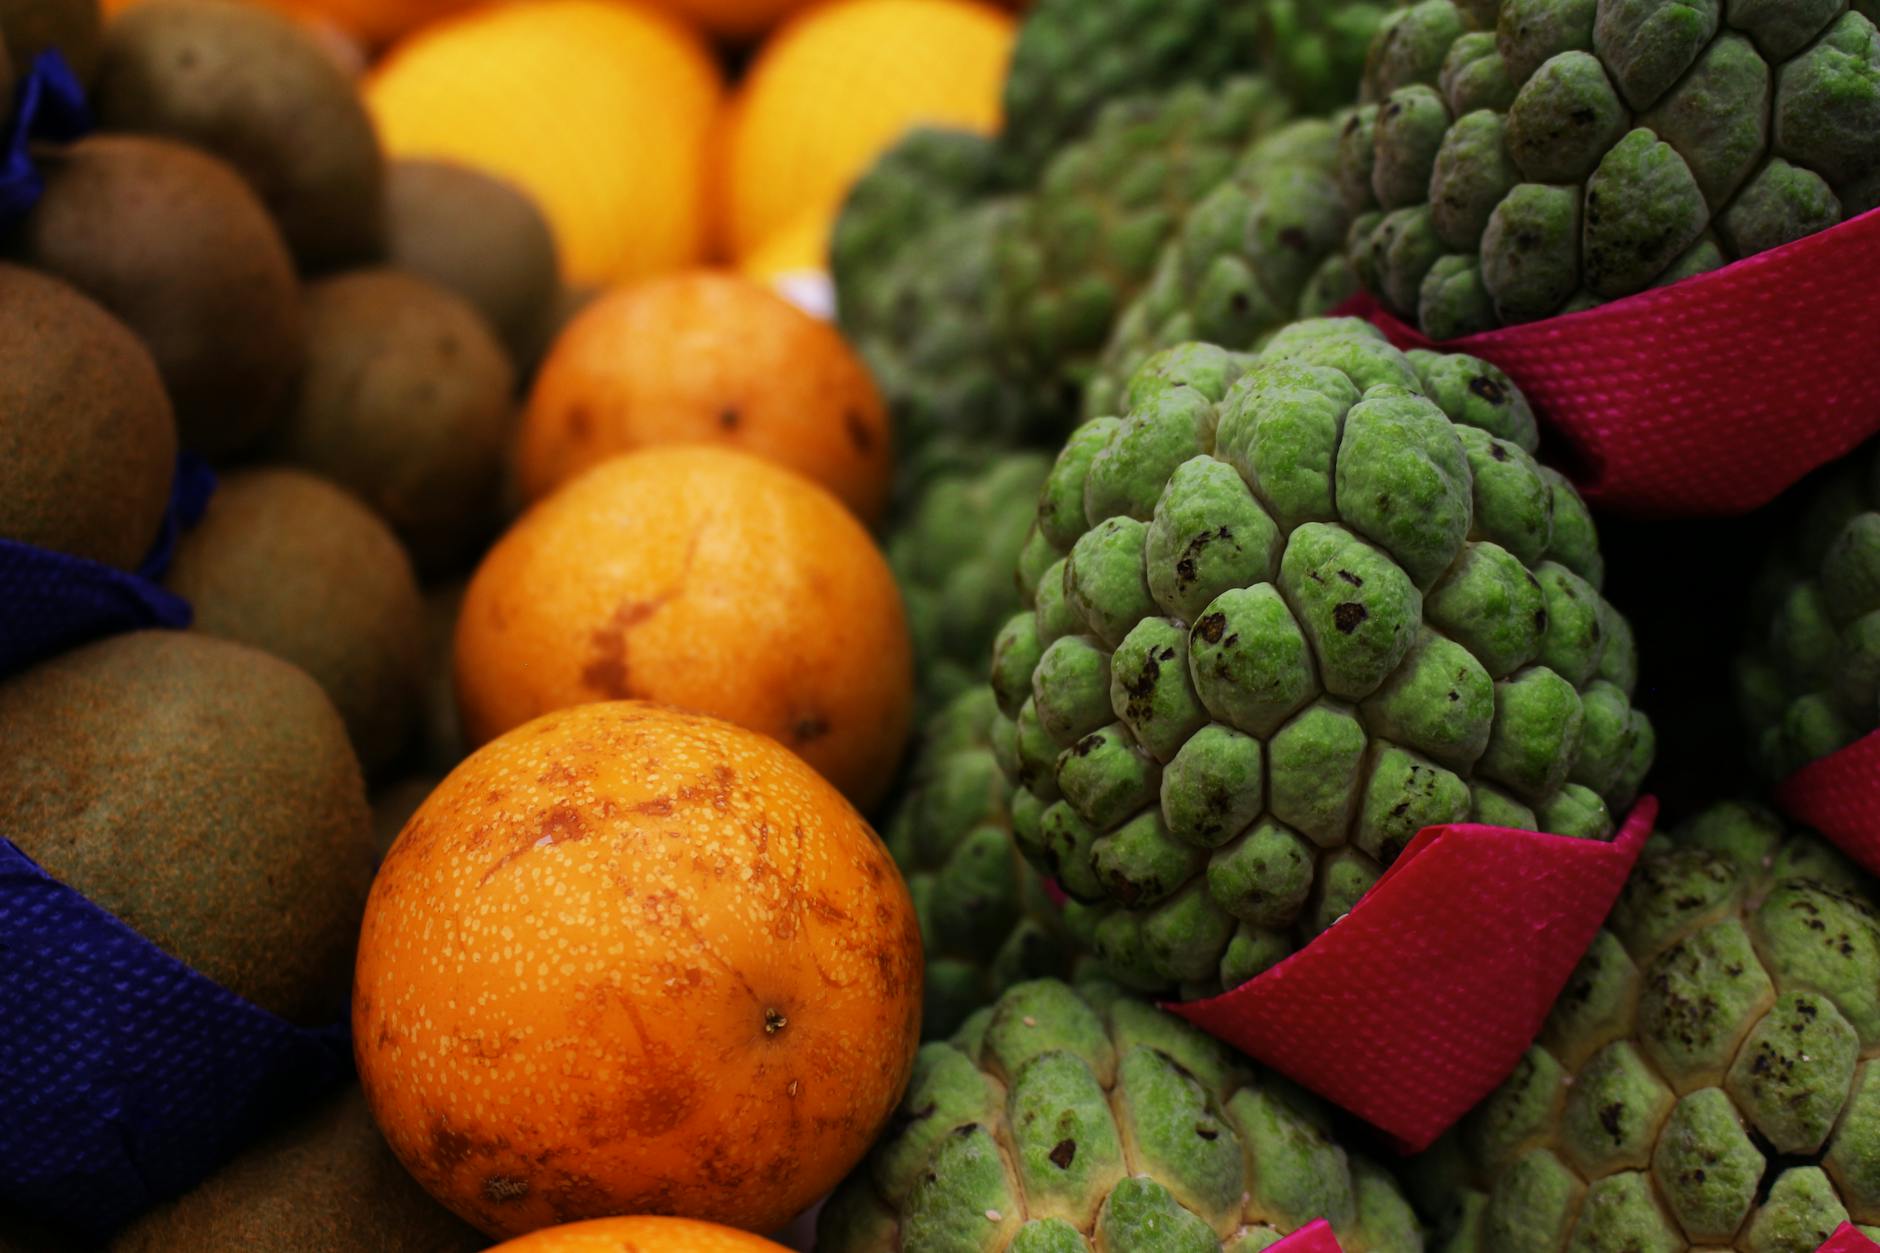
1810 682
1285 614
926 177
953 553
1065 1121
1534 157
1262 250
1710 1078
1087 240
985 919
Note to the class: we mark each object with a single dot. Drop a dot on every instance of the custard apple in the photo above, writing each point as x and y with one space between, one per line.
1260 251
953 553
1072 56
1281 617
924 179
1062 1121
1710 1078
1810 683
1533 157
1087 240
1315 49
985 919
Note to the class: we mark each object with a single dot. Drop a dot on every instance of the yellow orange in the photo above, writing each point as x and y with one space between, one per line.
838 84
700 578
602 110
639 1235
708 358
625 959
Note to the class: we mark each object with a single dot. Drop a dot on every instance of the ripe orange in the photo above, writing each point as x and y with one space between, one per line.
630 960
700 578
708 358
834 87
601 110
639 1235
737 19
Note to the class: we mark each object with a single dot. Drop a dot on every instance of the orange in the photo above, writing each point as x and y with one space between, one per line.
705 579
708 358
640 1235
837 85
629 960
377 21
602 110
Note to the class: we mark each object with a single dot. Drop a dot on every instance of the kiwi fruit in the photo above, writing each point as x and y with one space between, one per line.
407 400
484 239
255 88
175 244
291 564
205 794
326 1183
29 27
87 441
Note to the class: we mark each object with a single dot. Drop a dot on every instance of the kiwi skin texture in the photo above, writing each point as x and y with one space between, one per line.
175 244
291 564
87 441
29 27
324 1183
205 794
483 238
408 400
256 89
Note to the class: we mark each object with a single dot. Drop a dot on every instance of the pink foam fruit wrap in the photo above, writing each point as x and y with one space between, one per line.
1415 1005
1839 796
1318 1238
1710 397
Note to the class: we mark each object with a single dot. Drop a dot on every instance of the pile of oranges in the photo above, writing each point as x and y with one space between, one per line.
626 122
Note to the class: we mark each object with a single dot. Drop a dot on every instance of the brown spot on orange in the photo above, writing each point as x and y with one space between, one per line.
808 728
606 671
859 434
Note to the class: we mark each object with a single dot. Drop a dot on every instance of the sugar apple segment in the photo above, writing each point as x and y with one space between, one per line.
1261 250
1088 237
1061 1119
1710 1077
962 528
1529 157
985 919
1301 608
1807 683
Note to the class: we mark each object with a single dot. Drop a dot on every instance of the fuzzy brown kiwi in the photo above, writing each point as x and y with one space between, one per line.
175 244
326 1182
205 794
29 27
484 239
407 399
87 441
296 566
255 88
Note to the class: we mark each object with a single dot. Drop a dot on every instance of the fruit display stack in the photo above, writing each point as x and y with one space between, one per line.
896 626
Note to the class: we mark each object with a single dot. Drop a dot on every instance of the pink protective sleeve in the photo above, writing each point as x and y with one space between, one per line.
1416 1004
1318 1239
1839 796
1710 397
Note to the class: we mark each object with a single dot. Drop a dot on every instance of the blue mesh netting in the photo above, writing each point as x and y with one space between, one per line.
51 601
49 104
125 1076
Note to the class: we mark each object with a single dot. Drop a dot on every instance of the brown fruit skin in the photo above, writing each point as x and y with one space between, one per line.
87 441
482 238
407 400
288 563
74 27
174 243
255 88
323 1184
206 795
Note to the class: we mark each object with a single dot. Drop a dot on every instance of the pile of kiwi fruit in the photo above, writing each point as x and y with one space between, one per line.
228 267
